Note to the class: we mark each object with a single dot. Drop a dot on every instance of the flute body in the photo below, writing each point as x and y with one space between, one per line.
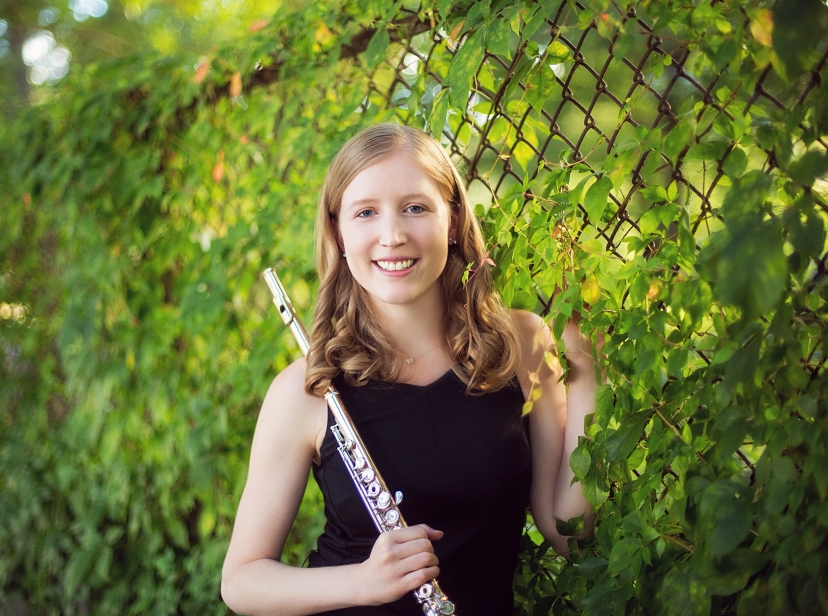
379 503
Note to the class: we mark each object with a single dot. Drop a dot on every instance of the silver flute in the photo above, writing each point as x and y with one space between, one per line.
381 506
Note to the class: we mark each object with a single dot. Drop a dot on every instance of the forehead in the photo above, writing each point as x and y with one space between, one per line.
392 177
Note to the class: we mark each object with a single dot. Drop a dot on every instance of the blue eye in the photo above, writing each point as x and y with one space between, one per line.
365 214
416 209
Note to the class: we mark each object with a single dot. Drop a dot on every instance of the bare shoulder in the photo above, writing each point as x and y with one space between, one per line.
289 409
536 339
535 334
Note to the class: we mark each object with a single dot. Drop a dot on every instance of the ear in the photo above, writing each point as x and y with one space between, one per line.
454 223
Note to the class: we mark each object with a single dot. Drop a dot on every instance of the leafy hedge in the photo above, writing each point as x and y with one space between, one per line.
141 202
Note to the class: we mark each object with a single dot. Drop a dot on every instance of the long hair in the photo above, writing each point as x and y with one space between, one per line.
481 340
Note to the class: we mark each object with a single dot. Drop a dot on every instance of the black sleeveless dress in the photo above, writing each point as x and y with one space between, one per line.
464 467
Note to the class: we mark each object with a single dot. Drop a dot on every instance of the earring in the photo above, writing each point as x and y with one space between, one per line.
452 241
344 256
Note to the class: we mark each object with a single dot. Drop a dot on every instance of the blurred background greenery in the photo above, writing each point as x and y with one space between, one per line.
40 40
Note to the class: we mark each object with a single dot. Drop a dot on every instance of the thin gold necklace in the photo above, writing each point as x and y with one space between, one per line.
410 360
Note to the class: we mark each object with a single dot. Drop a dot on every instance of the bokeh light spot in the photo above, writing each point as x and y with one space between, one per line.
47 61
48 16
84 9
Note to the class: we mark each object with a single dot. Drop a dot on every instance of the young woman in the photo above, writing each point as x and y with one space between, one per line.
434 374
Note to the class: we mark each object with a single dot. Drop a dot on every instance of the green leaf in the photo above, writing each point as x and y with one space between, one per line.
657 215
725 511
78 569
580 461
603 405
594 494
542 11
621 442
463 67
375 52
735 163
812 165
798 26
742 365
683 593
676 139
557 53
752 270
676 361
570 528
808 238
540 85
656 194
595 201
438 114
745 196
694 297
733 571
622 554
498 37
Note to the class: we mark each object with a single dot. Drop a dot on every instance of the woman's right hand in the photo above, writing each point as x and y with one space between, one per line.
401 561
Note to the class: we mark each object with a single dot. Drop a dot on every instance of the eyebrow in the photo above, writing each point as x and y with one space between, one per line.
369 201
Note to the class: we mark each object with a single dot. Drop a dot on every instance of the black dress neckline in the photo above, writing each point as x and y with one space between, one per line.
434 382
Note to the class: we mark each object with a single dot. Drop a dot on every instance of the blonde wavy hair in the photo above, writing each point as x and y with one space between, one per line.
481 341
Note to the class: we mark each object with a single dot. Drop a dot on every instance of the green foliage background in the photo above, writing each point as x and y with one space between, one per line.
141 202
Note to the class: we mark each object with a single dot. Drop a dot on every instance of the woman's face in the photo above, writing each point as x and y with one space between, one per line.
394 227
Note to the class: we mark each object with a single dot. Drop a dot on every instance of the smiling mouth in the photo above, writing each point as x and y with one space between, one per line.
395 266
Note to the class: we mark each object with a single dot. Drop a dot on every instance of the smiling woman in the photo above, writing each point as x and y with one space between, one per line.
396 228
405 185
435 372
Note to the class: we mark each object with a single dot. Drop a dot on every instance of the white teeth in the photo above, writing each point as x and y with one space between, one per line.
393 266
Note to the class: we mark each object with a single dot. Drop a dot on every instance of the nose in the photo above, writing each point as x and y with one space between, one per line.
393 231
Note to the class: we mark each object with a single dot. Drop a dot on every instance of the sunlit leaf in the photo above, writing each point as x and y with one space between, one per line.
498 36
463 67
375 53
595 201
541 83
761 27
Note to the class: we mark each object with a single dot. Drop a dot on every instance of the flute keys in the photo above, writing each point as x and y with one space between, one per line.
367 476
359 463
446 608
392 516
373 490
425 591
384 500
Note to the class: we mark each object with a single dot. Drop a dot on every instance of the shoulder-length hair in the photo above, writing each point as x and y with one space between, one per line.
481 340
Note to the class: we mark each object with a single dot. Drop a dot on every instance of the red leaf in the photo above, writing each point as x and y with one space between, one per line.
201 71
235 85
218 169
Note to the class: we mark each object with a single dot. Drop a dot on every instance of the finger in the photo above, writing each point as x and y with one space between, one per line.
416 562
415 579
415 546
430 533
410 533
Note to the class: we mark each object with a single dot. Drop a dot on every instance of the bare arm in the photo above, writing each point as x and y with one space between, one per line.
290 425
555 422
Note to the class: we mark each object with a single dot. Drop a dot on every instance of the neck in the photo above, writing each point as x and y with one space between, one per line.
414 328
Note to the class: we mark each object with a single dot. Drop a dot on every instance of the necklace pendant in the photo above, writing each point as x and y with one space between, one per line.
409 360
